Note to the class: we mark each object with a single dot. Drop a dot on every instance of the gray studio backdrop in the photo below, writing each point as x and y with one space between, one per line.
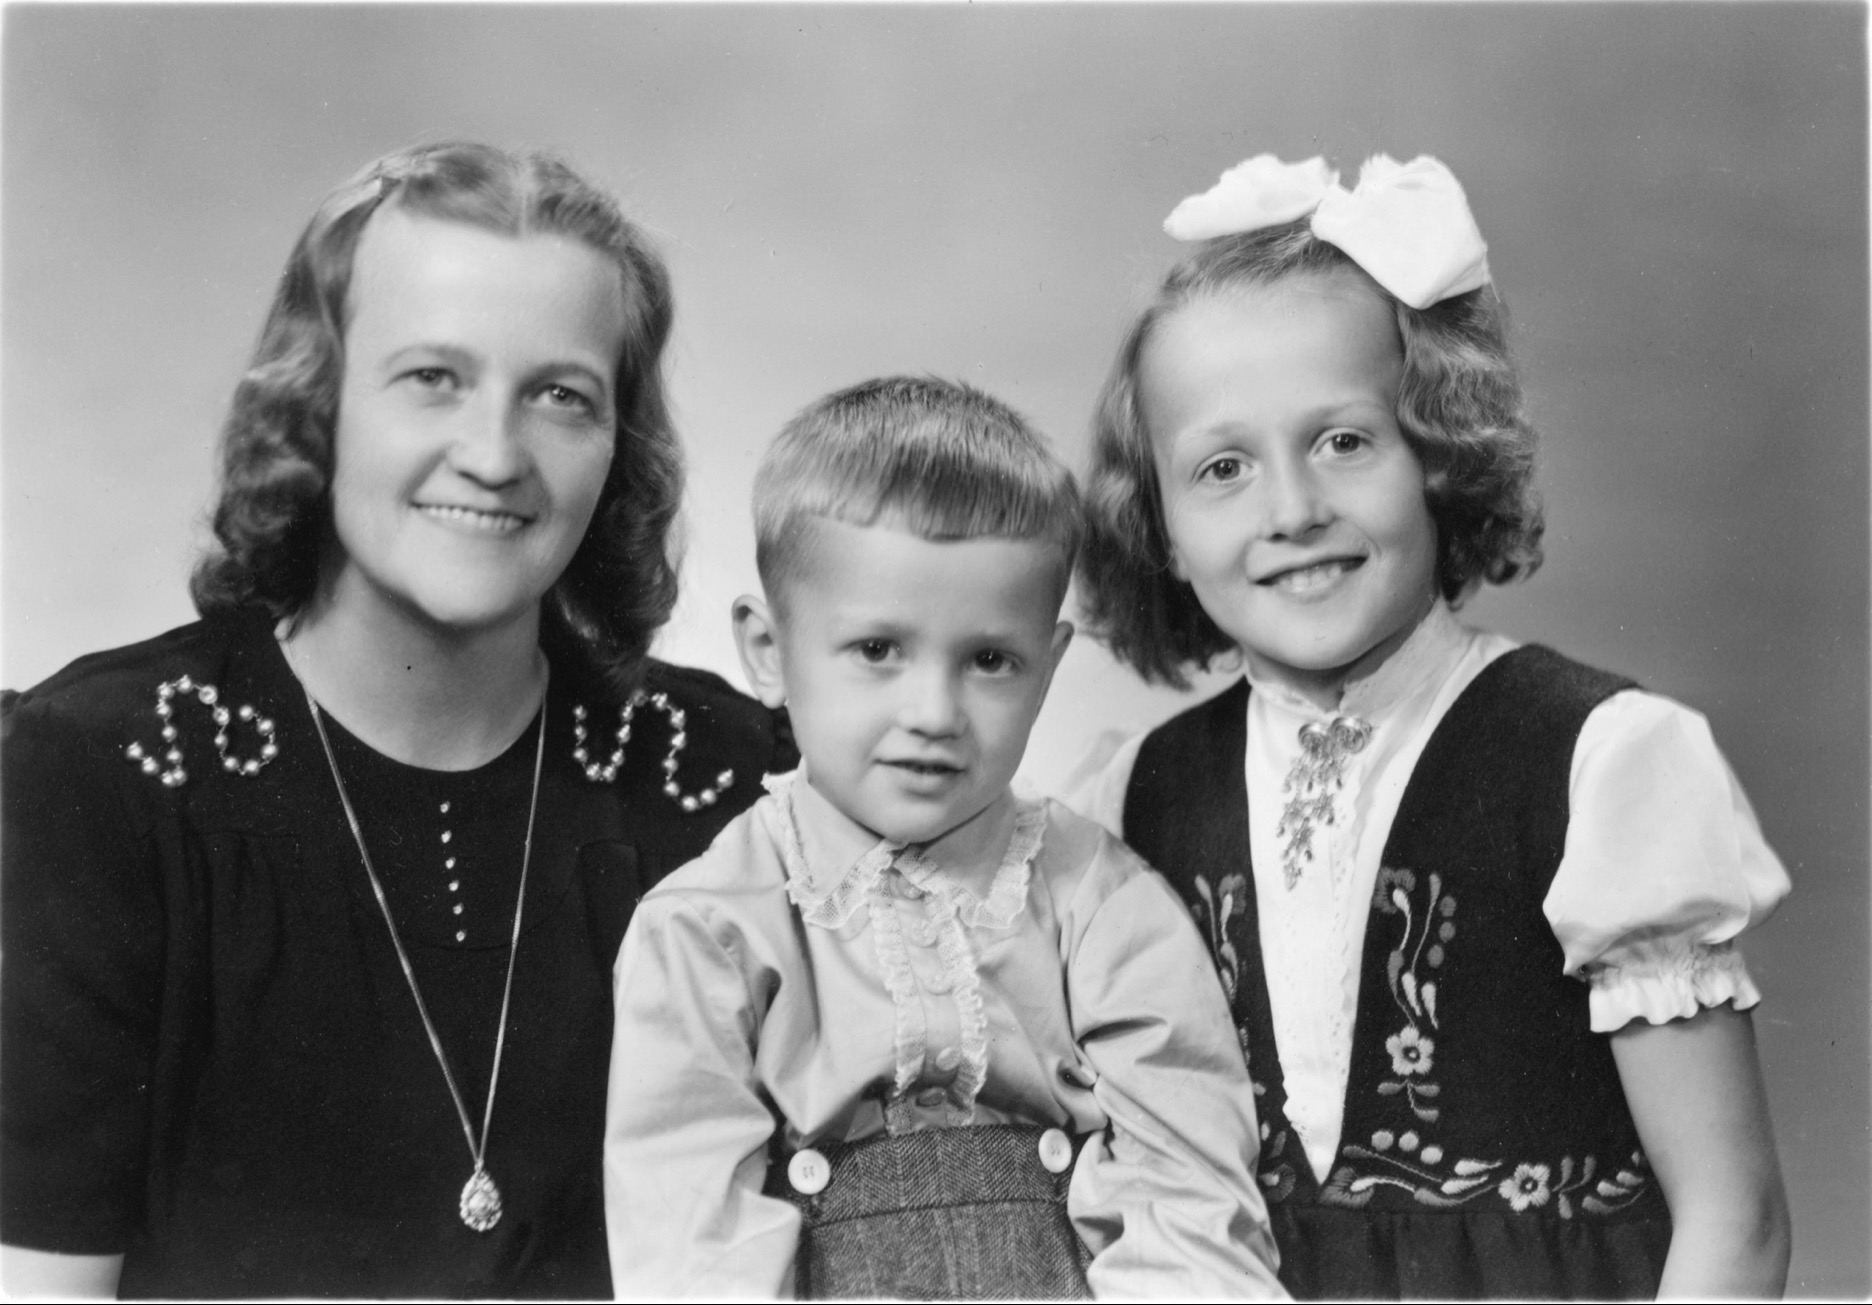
1675 199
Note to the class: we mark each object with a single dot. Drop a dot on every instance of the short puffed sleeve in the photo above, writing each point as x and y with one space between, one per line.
1664 866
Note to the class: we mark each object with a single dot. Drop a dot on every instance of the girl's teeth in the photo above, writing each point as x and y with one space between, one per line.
1310 578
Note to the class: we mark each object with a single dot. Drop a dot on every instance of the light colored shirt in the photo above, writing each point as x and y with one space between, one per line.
1664 862
805 976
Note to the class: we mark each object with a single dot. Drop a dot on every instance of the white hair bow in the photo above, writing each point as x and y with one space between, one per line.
1407 224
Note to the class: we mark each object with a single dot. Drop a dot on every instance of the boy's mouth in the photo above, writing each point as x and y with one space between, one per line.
926 767
1312 577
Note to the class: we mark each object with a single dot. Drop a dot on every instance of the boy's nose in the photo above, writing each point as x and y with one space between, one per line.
931 704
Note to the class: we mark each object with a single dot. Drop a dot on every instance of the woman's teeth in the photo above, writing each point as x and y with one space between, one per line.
498 523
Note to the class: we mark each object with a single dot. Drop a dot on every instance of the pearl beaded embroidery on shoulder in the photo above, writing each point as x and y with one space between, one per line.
606 771
175 775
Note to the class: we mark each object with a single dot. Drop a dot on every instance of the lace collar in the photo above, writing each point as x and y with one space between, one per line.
1421 663
830 902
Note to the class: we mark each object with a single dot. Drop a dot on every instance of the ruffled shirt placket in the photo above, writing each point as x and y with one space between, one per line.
922 926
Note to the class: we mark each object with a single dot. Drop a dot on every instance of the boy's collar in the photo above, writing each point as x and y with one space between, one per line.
831 860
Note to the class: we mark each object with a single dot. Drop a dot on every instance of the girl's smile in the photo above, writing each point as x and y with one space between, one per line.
1294 504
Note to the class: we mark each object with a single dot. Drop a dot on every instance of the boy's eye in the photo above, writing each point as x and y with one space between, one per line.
874 650
1221 470
993 661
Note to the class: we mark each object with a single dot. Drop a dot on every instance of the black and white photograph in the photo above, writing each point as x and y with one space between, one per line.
935 651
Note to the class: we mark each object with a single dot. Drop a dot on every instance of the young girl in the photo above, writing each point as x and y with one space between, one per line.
900 1033
1473 903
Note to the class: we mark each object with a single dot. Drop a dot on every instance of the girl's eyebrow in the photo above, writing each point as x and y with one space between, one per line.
1319 414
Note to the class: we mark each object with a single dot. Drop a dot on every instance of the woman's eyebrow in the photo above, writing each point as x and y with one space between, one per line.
451 354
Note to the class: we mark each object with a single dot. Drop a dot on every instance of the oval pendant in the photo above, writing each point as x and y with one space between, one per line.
480 1201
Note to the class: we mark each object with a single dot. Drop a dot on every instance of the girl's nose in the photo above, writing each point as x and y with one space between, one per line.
932 704
489 445
1294 500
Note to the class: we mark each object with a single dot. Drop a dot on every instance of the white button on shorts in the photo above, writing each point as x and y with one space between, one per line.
1055 1151
809 1172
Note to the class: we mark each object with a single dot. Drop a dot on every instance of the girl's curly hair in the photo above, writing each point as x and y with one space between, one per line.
272 516
1459 406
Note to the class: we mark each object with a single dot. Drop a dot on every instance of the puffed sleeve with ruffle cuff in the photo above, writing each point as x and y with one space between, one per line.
1664 866
1097 785
1166 1199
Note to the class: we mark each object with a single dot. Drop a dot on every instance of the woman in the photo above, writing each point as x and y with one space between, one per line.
310 907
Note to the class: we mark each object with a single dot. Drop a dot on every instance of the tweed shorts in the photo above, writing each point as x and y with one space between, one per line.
943 1214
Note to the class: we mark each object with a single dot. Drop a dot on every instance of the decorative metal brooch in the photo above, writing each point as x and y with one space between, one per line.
1314 779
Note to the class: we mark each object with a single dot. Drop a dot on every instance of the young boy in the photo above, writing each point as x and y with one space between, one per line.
899 1032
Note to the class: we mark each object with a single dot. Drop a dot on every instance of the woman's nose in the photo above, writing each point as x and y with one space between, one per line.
489 445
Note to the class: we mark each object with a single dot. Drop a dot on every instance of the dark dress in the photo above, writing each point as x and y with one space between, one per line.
1487 1149
213 1063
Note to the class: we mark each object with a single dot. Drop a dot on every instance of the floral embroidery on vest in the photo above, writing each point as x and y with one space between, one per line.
1219 910
1408 1160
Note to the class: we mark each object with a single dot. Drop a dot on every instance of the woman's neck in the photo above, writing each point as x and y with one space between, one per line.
440 699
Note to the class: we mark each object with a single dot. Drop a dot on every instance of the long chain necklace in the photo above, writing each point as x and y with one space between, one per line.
480 1198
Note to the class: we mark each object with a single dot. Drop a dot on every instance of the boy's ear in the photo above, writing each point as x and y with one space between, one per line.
757 639
1062 638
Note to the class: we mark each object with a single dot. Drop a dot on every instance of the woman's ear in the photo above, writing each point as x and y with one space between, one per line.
757 639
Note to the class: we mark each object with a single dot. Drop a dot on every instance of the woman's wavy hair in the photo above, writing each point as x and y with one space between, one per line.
1459 406
271 519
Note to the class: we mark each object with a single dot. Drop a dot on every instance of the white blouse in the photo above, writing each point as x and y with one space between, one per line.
804 975
1664 862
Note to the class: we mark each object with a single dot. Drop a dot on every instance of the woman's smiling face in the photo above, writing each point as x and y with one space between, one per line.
476 419
1295 506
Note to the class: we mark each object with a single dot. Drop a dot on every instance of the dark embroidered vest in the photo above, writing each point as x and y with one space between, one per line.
1477 1086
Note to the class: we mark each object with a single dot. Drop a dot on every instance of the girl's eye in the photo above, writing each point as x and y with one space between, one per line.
1221 470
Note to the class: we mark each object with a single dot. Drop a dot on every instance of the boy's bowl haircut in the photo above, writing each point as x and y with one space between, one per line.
942 458
1459 407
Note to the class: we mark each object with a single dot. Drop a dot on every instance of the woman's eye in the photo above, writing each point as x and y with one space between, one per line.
1221 470
564 396
432 378
1345 441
